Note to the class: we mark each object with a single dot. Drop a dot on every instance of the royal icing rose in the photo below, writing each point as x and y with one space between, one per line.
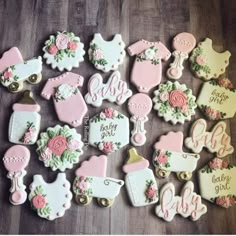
83 185
100 146
97 54
73 145
28 136
177 98
201 60
62 41
39 201
216 163
149 53
224 164
46 154
224 82
72 45
151 193
52 49
57 145
7 74
164 96
185 108
102 115
162 159
109 112
224 201
108 147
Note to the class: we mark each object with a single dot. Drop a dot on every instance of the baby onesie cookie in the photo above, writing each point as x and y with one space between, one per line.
50 200
169 157
91 182
63 51
59 147
216 141
174 102
187 204
115 90
206 63
139 107
139 180
15 161
217 183
216 98
68 101
147 68
109 130
106 55
183 43
24 123
14 70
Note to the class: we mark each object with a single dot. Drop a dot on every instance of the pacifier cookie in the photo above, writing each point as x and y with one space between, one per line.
63 51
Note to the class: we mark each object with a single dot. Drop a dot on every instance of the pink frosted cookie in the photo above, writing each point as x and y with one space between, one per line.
68 101
15 161
147 68
91 182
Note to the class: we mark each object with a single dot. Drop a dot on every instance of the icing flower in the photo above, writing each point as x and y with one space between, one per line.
109 112
39 201
201 60
224 82
177 98
149 53
224 201
83 185
150 193
185 108
108 147
28 136
57 145
7 74
224 164
72 45
52 49
97 54
216 163
46 154
162 159
102 115
164 96
62 41
73 145
100 146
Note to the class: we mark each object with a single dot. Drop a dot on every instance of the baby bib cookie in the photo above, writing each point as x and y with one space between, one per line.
50 200
217 183
63 51
14 70
115 90
106 55
188 204
91 182
24 123
216 98
147 69
59 147
216 141
109 130
206 63
139 180
169 157
15 160
174 102
68 101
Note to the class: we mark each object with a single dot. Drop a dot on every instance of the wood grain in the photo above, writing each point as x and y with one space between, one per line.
28 23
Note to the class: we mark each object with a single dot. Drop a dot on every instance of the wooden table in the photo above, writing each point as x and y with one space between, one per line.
27 24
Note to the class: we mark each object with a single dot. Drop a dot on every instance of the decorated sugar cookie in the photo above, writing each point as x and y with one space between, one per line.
63 51
139 107
68 101
59 147
206 63
115 90
174 102
169 157
183 43
188 204
50 200
15 160
24 123
14 70
147 68
217 182
216 98
216 141
91 182
106 55
139 180
109 130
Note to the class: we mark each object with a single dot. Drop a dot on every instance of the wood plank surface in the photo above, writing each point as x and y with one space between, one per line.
28 23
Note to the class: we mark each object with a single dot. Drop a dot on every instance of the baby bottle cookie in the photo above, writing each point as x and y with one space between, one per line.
50 200
139 180
15 161
91 182
24 123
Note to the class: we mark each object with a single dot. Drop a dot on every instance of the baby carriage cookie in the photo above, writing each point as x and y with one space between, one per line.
91 182
169 157
139 180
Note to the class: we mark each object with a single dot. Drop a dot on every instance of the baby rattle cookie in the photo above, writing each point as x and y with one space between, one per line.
50 200
91 182
216 141
14 70
183 43
216 98
106 55
174 102
140 181
63 51
139 107
59 147
15 161
169 157
188 204
115 90
24 123
206 63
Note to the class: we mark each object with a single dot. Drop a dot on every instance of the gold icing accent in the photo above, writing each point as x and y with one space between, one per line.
134 157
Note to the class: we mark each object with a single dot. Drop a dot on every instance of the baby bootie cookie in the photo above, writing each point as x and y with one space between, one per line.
63 51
